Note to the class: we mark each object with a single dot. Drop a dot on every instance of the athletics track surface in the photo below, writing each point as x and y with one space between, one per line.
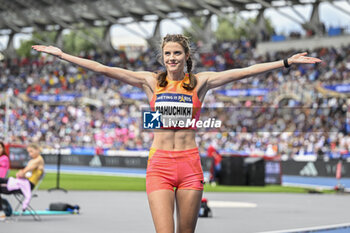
106 211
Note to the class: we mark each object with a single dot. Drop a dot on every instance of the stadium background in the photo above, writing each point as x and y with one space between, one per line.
87 115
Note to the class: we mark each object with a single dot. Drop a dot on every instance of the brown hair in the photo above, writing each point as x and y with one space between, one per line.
4 149
184 42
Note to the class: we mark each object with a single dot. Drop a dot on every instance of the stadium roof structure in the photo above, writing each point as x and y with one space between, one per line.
17 16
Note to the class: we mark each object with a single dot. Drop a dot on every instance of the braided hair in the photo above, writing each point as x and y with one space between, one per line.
184 42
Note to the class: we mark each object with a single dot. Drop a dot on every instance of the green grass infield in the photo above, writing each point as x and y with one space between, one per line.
119 183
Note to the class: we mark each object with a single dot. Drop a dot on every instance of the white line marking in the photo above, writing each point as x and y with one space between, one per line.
310 229
230 204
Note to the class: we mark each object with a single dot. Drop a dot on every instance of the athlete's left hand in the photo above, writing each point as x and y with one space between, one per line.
301 58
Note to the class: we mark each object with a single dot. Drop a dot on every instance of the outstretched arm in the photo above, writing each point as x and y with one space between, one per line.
138 79
216 79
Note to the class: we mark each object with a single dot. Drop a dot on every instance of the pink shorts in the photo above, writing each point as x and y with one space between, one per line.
174 169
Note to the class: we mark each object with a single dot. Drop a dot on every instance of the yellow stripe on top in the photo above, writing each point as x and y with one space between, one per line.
151 153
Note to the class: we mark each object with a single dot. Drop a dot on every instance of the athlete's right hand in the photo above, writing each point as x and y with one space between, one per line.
48 49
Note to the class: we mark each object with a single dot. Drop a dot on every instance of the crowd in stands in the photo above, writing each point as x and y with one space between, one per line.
110 120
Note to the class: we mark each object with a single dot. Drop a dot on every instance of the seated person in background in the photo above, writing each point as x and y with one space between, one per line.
4 161
26 179
34 168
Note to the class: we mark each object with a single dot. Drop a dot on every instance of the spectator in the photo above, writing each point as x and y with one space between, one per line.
4 161
25 180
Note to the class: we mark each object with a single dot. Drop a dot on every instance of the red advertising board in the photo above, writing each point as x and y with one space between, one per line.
18 155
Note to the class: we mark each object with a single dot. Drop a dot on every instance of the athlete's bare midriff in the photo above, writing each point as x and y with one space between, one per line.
174 140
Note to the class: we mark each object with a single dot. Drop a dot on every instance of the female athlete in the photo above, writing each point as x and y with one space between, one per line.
174 174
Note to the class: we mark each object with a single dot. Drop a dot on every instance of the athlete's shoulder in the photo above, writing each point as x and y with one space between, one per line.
151 79
204 75
202 79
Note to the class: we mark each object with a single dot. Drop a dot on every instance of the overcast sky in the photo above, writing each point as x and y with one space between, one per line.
328 14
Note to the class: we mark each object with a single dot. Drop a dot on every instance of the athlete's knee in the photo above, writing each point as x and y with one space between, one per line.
166 229
183 228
